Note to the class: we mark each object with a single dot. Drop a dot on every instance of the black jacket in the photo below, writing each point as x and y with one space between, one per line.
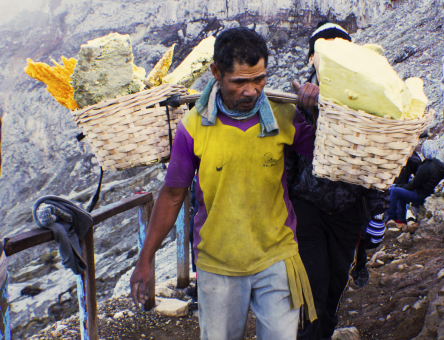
429 174
329 196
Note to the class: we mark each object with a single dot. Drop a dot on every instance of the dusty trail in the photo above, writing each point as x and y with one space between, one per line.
392 306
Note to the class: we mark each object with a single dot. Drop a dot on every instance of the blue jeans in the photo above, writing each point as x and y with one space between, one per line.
398 199
224 302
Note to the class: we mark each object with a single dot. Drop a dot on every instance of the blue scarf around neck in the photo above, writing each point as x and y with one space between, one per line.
269 126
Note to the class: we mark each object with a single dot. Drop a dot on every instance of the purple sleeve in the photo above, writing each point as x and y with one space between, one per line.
304 136
183 162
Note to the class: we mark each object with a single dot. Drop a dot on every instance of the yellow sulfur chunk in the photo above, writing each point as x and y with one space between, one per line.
57 78
161 69
419 99
375 48
362 79
194 65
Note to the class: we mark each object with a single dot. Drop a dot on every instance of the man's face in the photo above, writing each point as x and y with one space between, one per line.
241 88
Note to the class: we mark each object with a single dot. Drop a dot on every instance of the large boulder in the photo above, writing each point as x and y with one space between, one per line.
434 321
433 222
348 333
173 307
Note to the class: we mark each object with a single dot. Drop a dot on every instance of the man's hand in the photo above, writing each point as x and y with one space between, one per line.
308 95
139 283
165 211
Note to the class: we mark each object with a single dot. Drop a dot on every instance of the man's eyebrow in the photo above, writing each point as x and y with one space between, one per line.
241 79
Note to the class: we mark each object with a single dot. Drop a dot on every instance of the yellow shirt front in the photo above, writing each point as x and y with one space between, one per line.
245 222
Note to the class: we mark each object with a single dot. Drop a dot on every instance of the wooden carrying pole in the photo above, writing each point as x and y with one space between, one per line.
275 96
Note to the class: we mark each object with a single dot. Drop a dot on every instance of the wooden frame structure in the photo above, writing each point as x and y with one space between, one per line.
86 283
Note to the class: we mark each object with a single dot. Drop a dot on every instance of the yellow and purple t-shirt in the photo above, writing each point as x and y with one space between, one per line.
245 222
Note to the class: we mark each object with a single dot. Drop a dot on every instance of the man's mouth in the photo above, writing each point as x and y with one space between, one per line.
246 104
249 104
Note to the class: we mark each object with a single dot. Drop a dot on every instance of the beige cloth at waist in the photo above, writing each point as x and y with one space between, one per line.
299 286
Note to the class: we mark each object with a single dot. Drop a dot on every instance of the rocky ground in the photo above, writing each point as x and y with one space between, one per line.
395 303
403 299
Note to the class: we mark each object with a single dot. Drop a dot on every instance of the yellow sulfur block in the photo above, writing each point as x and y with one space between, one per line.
362 79
160 70
57 79
419 99
375 48
194 65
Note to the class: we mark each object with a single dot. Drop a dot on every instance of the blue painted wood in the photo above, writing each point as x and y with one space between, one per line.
143 225
83 316
5 320
183 244
180 235
143 217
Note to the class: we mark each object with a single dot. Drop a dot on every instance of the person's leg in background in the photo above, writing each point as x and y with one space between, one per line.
393 207
401 210
399 197
360 273
312 242
343 237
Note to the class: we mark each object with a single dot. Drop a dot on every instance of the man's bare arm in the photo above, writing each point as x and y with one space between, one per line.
162 220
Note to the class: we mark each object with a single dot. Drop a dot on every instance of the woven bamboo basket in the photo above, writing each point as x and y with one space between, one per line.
360 148
132 130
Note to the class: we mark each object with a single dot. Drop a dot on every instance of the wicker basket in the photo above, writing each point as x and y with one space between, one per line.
359 148
132 130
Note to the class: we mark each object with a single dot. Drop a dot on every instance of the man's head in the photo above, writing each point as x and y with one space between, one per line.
326 30
429 149
240 62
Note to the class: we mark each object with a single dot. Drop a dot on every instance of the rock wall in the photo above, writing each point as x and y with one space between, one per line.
38 136
42 156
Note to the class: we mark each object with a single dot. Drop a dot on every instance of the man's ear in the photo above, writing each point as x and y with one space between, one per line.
310 60
215 71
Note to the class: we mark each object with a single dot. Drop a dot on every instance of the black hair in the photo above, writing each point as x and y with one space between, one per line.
239 44
326 34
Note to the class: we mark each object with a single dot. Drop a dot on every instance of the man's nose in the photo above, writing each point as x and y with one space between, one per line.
249 90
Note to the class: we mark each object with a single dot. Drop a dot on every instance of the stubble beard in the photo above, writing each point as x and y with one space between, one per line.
236 105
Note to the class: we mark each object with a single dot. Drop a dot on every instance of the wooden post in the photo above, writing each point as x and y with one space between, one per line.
183 244
143 216
5 322
89 283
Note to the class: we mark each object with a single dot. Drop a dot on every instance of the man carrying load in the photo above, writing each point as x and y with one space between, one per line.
330 215
245 228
